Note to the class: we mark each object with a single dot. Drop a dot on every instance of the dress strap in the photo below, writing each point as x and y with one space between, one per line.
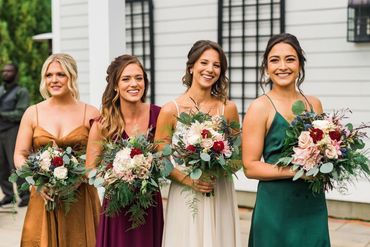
37 116
83 123
311 107
271 102
177 107
222 109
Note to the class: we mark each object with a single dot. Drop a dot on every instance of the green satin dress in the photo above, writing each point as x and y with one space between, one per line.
287 213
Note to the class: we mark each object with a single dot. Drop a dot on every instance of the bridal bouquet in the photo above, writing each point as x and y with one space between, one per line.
129 171
207 145
321 146
54 170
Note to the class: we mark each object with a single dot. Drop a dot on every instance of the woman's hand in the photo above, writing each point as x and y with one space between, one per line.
44 194
202 186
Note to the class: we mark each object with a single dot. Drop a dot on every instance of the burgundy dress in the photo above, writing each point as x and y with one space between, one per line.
113 230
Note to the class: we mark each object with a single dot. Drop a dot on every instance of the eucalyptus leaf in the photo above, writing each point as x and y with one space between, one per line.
168 167
30 180
284 161
326 167
205 157
98 182
66 159
167 150
196 174
298 175
313 171
192 162
92 173
295 167
298 107
69 150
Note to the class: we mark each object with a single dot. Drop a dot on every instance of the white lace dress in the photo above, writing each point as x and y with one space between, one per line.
216 223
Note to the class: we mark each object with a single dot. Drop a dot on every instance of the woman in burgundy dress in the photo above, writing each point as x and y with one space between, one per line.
125 114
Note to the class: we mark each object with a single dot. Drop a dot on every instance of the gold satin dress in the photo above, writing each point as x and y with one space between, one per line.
55 229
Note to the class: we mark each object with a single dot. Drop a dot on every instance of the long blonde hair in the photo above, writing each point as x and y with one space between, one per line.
112 120
69 67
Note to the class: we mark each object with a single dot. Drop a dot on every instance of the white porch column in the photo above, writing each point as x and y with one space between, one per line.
106 41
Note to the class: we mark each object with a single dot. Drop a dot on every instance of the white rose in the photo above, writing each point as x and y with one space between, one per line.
207 143
121 160
324 125
305 140
61 172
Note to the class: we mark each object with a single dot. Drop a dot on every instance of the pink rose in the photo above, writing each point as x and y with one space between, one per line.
331 152
307 157
305 140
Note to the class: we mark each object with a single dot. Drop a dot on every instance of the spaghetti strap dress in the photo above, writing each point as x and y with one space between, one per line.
114 230
55 228
286 213
216 222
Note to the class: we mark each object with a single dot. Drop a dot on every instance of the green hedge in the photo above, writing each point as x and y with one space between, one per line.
19 21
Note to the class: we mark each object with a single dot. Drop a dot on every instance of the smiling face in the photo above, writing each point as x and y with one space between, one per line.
283 65
56 80
131 83
206 70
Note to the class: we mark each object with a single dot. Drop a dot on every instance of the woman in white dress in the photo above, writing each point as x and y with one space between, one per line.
216 222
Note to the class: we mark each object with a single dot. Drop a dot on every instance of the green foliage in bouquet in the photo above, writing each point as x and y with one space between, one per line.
130 171
200 160
328 153
56 171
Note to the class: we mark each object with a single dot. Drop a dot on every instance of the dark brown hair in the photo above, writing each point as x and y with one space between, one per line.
219 89
291 40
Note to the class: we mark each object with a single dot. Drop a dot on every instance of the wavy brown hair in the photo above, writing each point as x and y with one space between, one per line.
219 89
291 40
113 122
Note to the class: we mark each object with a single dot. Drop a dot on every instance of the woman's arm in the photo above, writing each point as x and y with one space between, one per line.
254 132
165 125
94 146
23 144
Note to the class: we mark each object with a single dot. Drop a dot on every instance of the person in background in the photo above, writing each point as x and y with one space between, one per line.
14 100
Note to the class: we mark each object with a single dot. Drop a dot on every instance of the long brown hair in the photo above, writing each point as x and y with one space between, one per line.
113 122
219 89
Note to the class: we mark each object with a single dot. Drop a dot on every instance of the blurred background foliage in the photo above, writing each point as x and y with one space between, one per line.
19 21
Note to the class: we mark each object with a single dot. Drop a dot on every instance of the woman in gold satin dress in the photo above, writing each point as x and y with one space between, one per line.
63 120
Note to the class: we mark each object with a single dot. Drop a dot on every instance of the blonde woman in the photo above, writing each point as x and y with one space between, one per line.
62 120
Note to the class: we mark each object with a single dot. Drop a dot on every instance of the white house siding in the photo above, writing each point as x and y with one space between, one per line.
337 71
73 38
177 25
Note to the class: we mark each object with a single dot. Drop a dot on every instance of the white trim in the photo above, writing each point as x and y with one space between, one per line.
106 41
55 13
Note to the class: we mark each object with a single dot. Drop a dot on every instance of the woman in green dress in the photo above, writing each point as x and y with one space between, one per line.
286 213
